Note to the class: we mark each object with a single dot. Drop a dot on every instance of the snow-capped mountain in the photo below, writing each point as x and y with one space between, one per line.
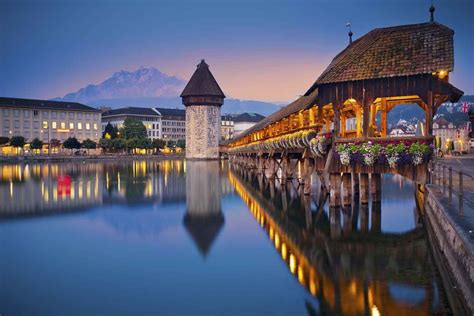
144 82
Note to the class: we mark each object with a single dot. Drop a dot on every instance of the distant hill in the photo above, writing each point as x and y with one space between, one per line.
149 87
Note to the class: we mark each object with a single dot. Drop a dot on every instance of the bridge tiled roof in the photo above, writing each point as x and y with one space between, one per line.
393 51
299 104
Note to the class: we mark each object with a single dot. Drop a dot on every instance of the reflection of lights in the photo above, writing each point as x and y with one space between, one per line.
271 233
353 287
11 188
375 311
312 286
292 263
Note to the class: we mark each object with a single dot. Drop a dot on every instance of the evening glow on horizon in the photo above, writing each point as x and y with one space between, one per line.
256 50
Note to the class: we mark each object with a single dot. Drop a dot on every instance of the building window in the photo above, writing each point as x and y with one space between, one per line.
16 113
45 114
79 125
71 125
26 113
63 125
6 112
79 115
54 125
95 126
71 115
54 114
16 124
88 116
63 115
36 124
88 126
26 124
45 124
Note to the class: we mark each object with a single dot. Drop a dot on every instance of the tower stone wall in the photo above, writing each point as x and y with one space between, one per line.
203 99
202 131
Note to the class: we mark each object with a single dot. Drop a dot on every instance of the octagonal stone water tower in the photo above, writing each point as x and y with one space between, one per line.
203 99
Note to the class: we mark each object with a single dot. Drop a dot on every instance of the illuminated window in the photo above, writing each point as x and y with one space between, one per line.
88 126
71 125
63 125
79 125
54 125
45 124
95 126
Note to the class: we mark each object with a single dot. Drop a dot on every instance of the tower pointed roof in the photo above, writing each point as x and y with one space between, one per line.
204 230
202 83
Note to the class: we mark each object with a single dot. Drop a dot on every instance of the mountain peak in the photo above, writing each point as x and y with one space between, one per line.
143 82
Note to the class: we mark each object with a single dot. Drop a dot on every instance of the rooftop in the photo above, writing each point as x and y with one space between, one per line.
393 51
202 83
45 104
131 110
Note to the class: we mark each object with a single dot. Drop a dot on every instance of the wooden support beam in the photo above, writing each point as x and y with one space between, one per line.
364 188
383 117
376 223
308 167
335 190
355 183
429 115
335 222
375 186
347 189
364 218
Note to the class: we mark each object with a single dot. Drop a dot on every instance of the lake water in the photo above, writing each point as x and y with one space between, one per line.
200 238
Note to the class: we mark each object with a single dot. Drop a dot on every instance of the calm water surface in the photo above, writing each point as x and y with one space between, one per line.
198 238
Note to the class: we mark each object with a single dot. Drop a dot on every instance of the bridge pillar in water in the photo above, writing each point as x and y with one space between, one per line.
376 223
347 189
364 218
335 190
355 183
375 186
308 167
364 188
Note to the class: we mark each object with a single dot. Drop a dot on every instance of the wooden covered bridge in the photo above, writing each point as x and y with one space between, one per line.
338 128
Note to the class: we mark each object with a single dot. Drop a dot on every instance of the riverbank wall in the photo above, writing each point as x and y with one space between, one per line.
17 159
453 243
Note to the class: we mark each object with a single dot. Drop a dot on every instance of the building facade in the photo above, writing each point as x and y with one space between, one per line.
150 117
47 120
203 99
448 132
174 123
227 127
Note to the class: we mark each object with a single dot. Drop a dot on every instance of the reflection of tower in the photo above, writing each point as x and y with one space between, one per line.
204 218
203 99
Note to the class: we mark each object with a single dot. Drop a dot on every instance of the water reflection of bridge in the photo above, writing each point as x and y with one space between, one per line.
349 270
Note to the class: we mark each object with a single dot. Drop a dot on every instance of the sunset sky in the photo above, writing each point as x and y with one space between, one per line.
261 50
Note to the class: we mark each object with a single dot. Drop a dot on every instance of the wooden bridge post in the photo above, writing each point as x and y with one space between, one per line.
335 190
375 186
347 185
308 167
355 183
364 218
364 188
376 223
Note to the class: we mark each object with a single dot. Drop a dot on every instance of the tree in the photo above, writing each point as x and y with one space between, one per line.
89 144
133 128
118 144
36 143
171 143
55 142
144 143
17 141
105 144
72 143
110 132
158 143
4 140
